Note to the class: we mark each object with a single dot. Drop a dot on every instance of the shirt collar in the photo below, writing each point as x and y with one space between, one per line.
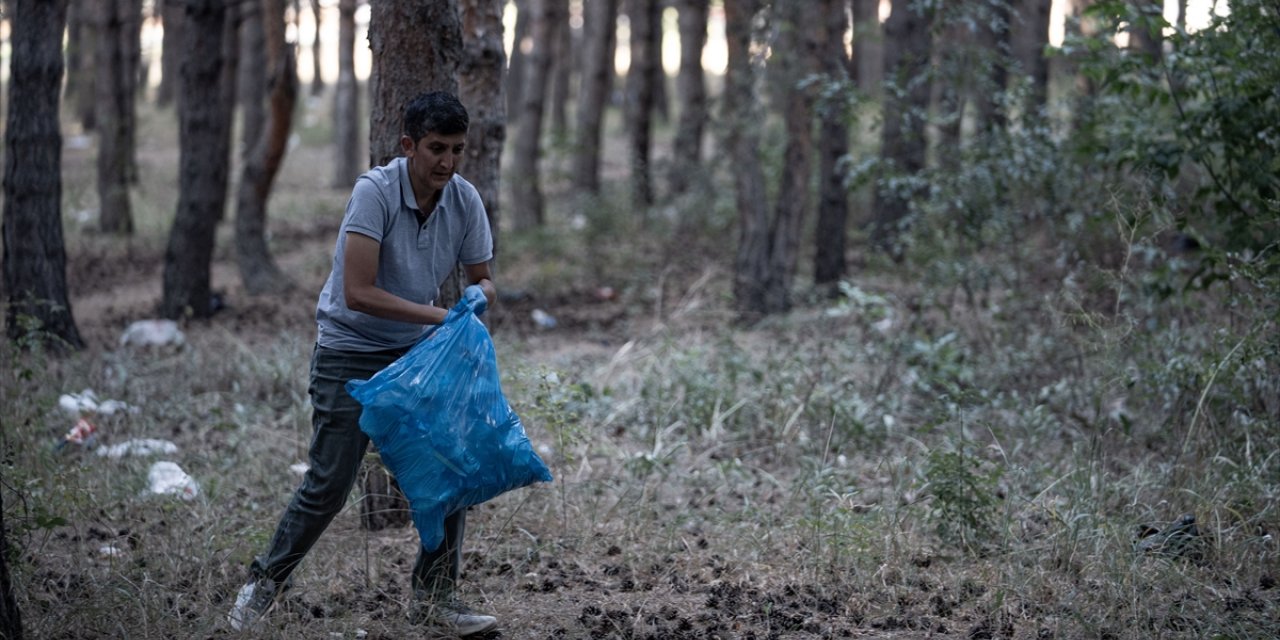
406 185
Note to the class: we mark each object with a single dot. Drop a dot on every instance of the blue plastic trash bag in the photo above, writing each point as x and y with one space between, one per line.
443 427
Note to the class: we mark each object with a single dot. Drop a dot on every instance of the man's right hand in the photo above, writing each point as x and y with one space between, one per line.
474 295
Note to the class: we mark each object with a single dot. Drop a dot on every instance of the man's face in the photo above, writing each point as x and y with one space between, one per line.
434 159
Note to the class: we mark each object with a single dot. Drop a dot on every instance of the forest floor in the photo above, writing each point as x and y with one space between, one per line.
898 464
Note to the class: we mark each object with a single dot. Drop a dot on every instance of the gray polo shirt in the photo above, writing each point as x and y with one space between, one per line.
413 261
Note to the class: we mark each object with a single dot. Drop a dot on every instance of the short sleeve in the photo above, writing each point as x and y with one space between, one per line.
477 244
367 213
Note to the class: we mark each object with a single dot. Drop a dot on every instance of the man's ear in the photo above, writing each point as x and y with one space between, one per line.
406 145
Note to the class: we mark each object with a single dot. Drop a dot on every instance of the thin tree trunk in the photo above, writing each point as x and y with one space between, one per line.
264 154
561 75
642 79
204 139
171 49
480 87
522 42
84 13
799 53
10 616
742 139
35 277
526 189
1145 37
687 153
833 200
868 48
907 47
1029 35
79 27
599 34
346 112
115 112
317 51
995 45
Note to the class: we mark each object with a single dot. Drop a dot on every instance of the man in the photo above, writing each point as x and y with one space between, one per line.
407 225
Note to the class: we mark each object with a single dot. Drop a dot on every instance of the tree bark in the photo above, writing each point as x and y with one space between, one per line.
117 27
521 43
868 48
908 42
35 277
346 112
799 51
642 80
599 35
833 200
263 154
480 87
687 153
416 47
83 16
10 615
562 63
204 139
1145 37
995 45
79 27
742 139
1029 36
170 51
526 188
317 50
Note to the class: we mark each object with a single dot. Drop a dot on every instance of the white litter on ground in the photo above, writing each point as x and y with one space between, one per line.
299 468
152 333
86 402
138 447
167 478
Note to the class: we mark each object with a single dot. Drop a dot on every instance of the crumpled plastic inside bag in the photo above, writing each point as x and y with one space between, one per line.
443 426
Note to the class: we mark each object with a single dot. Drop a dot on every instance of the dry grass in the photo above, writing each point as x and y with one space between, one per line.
906 463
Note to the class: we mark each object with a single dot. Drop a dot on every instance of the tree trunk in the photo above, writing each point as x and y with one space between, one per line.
346 99
204 140
562 63
116 78
868 48
521 44
480 87
526 190
1029 36
686 162
599 33
317 79
833 200
10 616
263 154
35 272
799 52
416 47
994 43
1146 37
79 27
742 139
83 16
171 49
642 80
908 42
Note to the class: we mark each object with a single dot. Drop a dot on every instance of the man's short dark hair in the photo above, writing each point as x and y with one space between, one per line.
435 112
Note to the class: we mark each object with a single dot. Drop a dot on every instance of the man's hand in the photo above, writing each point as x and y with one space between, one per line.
474 295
